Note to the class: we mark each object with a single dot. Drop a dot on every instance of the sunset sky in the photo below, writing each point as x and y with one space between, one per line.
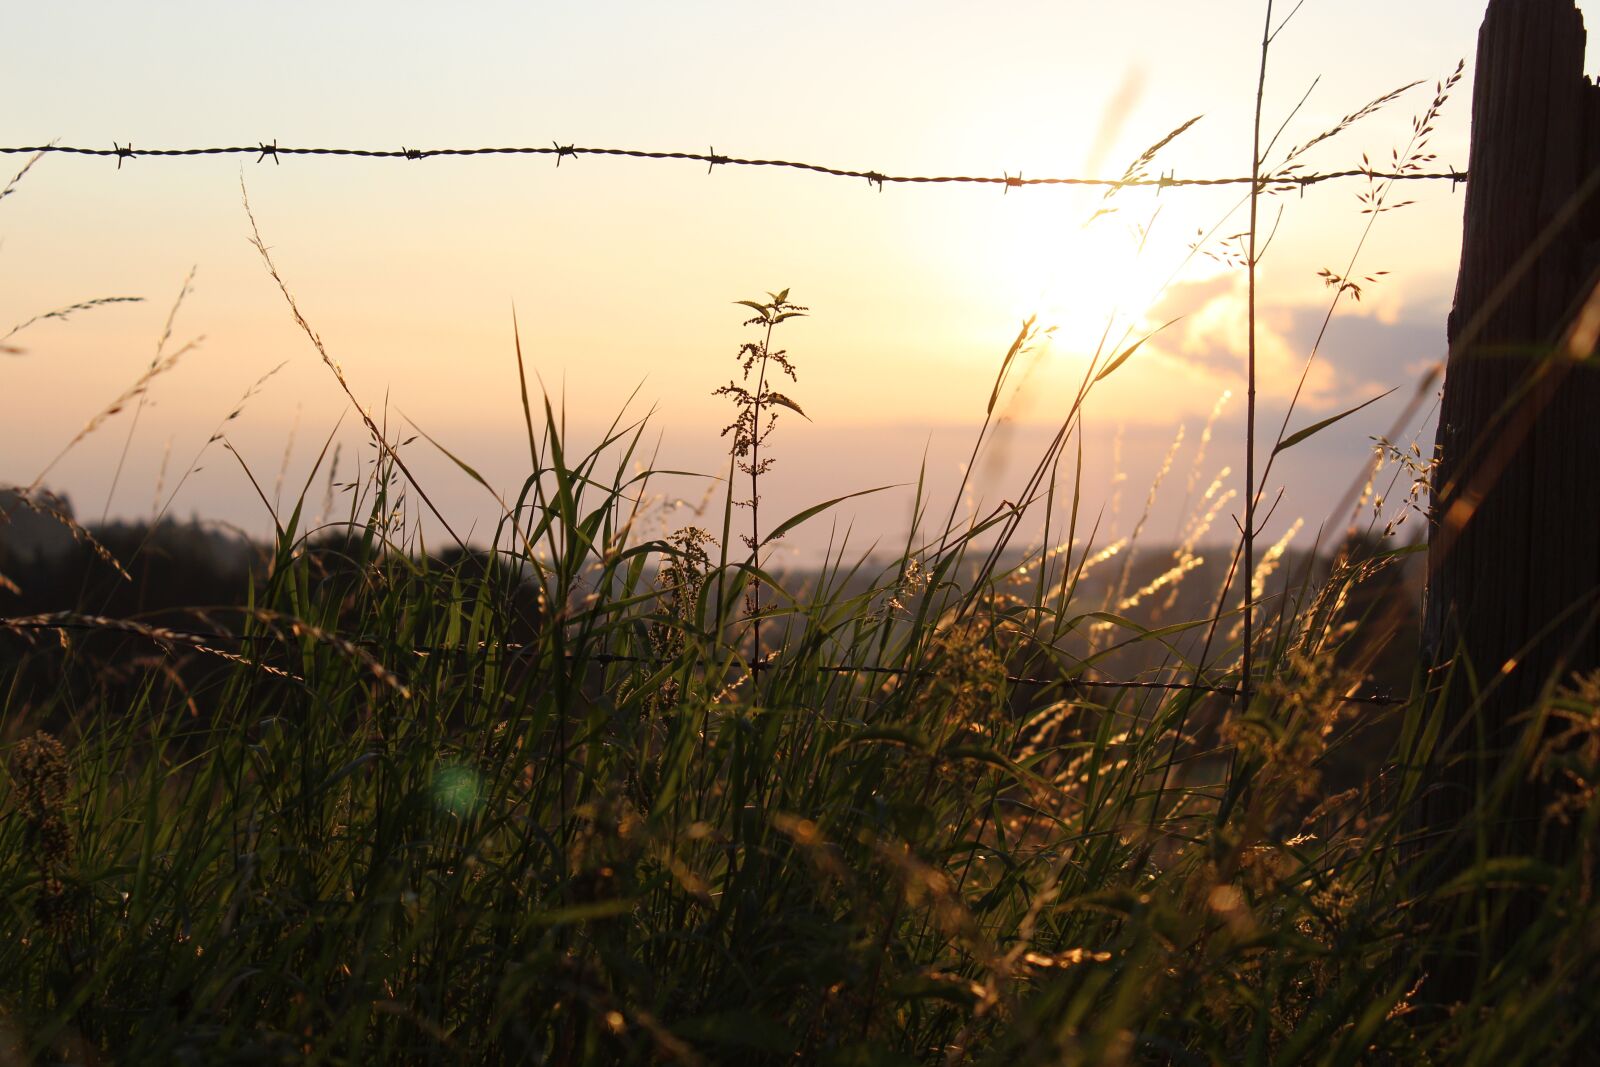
622 273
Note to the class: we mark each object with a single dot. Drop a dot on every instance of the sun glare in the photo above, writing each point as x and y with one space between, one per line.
1084 280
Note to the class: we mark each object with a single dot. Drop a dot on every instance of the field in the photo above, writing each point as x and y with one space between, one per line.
552 803
590 789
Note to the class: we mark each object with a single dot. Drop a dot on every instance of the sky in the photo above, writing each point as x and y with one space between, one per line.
621 274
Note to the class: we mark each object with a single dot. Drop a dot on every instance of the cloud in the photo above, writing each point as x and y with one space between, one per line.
1362 350
1213 336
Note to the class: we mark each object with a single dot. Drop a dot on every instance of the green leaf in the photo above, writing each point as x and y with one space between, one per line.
1128 352
817 509
763 308
1316 427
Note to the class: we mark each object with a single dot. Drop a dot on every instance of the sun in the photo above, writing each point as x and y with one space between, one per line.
1081 276
1088 274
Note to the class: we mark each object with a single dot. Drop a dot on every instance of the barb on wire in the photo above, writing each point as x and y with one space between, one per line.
1008 181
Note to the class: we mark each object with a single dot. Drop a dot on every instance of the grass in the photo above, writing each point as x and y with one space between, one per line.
536 805
588 795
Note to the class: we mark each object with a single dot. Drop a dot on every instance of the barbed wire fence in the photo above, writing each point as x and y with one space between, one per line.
263 150
1288 180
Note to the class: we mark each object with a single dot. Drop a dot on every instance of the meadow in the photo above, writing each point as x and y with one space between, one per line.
587 790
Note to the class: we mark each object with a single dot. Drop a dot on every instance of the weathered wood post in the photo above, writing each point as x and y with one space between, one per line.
1514 555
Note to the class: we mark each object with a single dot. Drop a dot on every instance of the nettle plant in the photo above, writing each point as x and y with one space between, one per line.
757 416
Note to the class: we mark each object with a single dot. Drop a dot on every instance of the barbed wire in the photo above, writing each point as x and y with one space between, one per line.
262 150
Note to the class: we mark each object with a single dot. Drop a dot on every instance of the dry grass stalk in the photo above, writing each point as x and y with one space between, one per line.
379 438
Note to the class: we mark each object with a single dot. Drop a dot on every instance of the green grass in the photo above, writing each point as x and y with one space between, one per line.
535 805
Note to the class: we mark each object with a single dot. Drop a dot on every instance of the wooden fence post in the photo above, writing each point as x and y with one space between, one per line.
1514 555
